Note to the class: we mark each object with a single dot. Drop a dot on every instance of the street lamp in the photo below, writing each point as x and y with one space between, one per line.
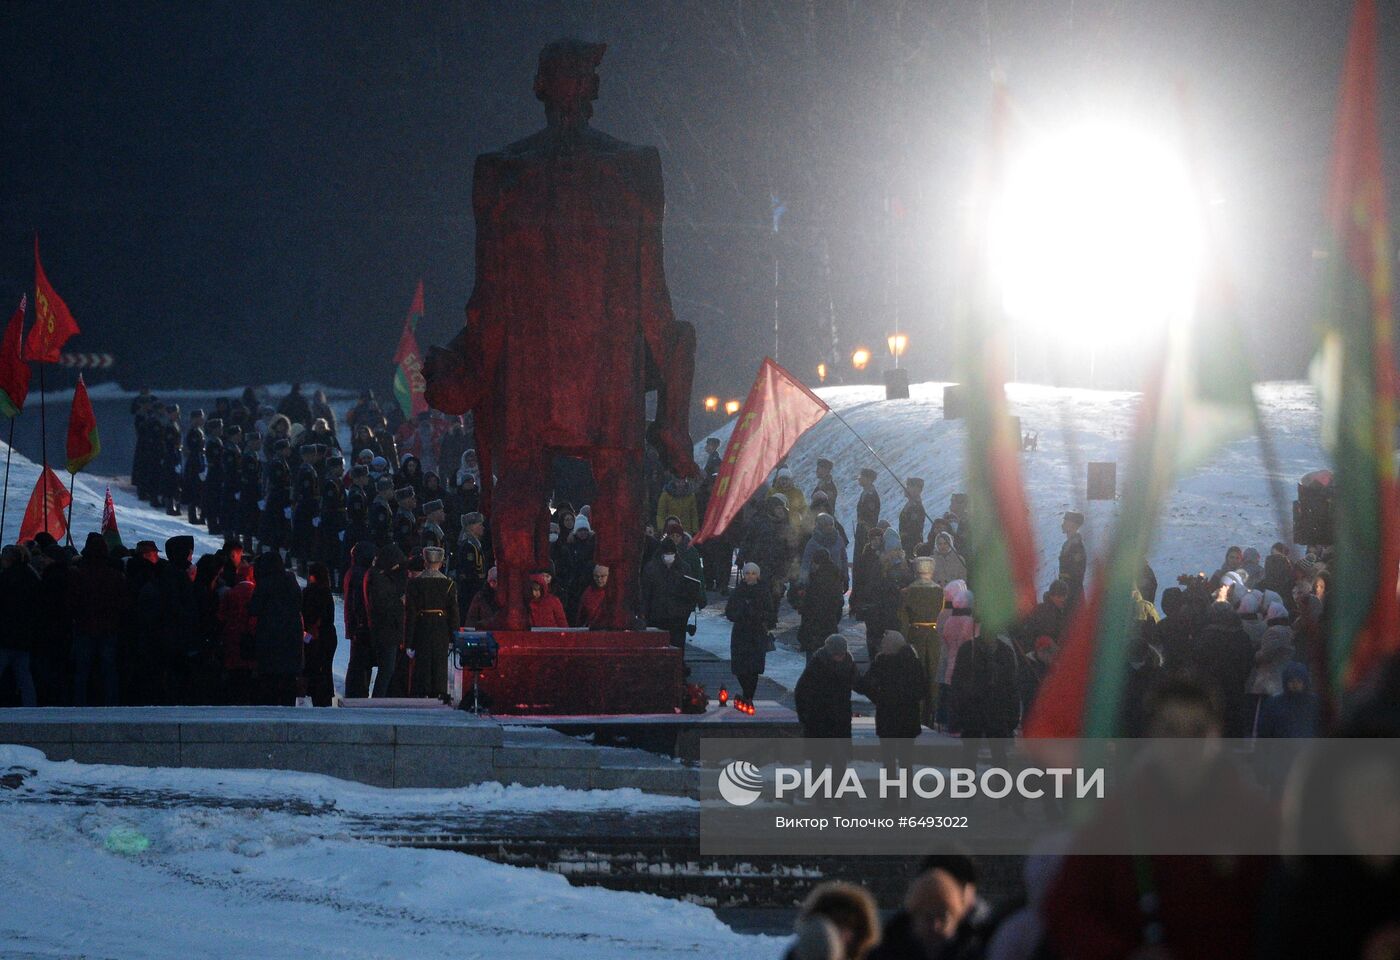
711 404
860 359
821 372
897 343
731 407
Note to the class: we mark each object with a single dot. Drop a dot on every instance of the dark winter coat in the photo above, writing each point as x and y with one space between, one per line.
19 597
823 601
911 525
318 618
1222 652
179 610
431 614
97 595
386 592
276 604
984 700
1074 561
823 696
750 609
896 683
668 596
1290 715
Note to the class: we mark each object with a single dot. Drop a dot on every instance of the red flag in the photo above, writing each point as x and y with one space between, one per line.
14 372
778 411
36 517
53 324
409 385
83 445
110 533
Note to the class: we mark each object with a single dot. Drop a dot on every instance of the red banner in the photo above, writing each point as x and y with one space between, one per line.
109 518
409 386
777 413
53 324
14 372
37 517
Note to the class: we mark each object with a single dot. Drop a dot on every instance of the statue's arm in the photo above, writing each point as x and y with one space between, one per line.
670 342
459 375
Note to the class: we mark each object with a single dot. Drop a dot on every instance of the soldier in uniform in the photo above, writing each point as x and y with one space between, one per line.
276 505
431 617
913 517
867 507
195 472
330 525
469 565
405 529
145 462
381 513
1074 560
250 490
306 503
825 484
213 499
431 532
357 499
233 460
171 442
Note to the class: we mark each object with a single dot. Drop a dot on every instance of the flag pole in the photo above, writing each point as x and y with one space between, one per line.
43 437
5 500
71 475
897 479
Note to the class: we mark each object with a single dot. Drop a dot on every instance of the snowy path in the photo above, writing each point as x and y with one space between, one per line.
237 881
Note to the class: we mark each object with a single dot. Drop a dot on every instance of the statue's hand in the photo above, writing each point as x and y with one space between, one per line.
449 386
675 449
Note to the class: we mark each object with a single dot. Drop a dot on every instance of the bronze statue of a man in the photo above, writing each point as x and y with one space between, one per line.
568 326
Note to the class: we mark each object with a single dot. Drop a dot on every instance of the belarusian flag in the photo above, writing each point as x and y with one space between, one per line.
409 385
1355 374
46 508
1003 561
14 371
110 533
83 445
53 323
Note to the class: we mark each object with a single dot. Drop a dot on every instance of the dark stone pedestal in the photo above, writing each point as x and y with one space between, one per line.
897 384
560 672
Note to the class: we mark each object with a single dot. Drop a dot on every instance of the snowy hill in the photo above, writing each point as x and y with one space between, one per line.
1225 502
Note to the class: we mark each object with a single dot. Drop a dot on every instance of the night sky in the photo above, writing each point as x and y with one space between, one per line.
232 193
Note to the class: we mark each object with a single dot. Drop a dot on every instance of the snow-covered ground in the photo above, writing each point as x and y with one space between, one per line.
231 881
1226 501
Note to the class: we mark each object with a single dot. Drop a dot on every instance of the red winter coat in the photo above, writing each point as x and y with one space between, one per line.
235 624
547 611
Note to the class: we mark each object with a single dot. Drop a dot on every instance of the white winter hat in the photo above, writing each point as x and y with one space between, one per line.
752 567
1250 602
954 592
581 523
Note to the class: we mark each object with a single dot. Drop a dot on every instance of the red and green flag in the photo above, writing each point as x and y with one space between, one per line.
1355 374
1003 563
83 445
53 322
14 371
409 385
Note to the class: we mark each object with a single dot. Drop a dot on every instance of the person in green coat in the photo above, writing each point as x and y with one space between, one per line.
919 606
431 617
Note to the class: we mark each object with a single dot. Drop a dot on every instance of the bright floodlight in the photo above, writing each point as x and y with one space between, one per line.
1097 234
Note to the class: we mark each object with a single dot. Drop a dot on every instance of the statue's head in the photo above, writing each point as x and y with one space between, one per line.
567 80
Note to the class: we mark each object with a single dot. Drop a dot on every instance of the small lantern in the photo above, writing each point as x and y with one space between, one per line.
711 404
731 407
821 372
723 696
897 343
860 359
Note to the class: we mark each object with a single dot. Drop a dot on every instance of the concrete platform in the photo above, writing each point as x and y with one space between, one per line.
385 747
673 734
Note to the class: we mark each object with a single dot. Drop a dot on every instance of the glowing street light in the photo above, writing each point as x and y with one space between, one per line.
821 372
711 404
898 342
860 359
731 407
